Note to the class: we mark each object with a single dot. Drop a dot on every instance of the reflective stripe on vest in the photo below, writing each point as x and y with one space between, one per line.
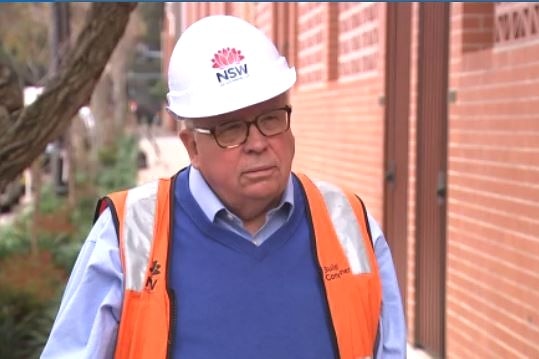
347 227
344 253
138 234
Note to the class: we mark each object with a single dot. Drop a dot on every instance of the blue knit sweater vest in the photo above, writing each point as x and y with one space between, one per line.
234 300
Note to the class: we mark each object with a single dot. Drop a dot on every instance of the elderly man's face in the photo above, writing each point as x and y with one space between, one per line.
257 170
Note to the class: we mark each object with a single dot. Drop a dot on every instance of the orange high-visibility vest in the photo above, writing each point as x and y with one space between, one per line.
344 251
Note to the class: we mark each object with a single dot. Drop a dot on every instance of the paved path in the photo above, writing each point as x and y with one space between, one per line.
165 157
414 353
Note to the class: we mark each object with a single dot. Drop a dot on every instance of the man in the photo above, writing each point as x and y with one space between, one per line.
235 256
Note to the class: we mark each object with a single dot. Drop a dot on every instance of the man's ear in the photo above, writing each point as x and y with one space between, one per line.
188 139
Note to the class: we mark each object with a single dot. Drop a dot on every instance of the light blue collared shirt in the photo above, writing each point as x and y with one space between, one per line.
217 213
87 321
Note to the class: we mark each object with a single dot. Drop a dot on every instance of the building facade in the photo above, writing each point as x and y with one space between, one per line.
429 111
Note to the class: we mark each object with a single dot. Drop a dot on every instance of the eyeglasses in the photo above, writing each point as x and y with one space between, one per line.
234 133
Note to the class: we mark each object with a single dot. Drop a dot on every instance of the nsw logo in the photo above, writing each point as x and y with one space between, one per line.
228 60
154 271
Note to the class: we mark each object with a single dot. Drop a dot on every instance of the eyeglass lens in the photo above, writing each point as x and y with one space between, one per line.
269 124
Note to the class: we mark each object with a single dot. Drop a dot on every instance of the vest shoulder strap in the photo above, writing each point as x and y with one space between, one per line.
133 212
116 203
143 217
348 266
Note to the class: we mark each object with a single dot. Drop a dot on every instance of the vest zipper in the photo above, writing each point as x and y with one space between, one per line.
172 322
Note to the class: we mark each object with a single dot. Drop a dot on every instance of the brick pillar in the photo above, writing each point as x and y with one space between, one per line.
331 35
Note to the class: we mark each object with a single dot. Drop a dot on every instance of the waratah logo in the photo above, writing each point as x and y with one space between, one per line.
225 57
229 60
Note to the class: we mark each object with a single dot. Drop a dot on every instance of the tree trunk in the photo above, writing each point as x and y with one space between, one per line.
26 132
102 110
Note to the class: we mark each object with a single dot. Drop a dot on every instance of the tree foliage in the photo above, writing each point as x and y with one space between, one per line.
26 39
152 15
26 131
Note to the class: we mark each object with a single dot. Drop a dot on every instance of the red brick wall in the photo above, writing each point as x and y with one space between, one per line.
263 18
339 124
310 42
243 10
493 222
193 11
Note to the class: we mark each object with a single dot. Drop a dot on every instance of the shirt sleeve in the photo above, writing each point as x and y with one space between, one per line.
87 321
392 326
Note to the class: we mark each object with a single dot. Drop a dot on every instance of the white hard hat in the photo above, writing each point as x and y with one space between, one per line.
221 64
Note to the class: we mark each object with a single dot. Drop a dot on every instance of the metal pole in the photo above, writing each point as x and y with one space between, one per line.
60 44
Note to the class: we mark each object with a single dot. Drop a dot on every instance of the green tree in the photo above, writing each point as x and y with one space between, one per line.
26 39
26 131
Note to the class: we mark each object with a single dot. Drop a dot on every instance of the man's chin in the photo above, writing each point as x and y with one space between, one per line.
263 190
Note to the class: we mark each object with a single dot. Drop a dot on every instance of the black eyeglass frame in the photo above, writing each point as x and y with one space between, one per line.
212 131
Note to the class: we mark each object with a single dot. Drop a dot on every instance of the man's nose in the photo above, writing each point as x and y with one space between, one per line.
256 141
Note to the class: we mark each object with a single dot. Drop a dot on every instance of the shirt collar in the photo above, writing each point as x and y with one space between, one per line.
211 205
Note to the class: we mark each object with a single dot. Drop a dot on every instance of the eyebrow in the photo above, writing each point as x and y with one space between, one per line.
219 120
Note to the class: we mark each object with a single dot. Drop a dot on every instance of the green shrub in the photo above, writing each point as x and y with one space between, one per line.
30 290
14 239
50 202
31 285
119 166
24 325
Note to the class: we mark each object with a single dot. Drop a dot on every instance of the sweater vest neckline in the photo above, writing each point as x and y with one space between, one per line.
233 241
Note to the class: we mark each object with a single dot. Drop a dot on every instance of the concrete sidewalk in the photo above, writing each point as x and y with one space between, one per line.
415 353
165 156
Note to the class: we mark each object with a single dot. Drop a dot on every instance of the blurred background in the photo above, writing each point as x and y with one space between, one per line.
429 111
